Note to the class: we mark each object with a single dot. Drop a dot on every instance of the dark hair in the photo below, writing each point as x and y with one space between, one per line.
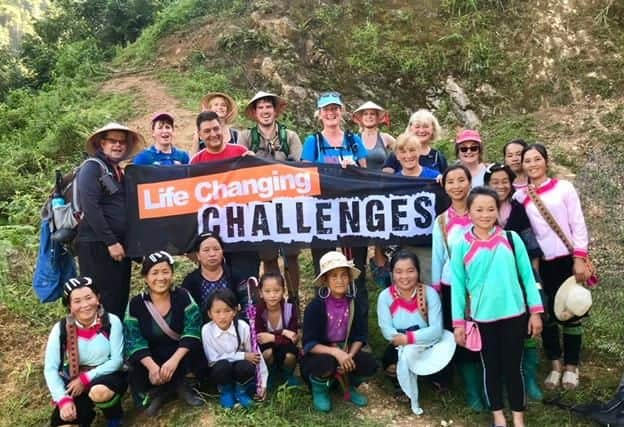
76 283
205 236
405 254
164 119
155 258
482 191
498 167
271 99
537 147
272 275
206 116
224 295
455 167
518 141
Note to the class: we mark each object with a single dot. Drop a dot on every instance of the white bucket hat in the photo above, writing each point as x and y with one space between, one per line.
332 260
572 300
434 358
280 104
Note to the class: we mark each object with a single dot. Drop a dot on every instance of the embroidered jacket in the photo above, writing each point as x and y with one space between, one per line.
487 271
561 199
102 351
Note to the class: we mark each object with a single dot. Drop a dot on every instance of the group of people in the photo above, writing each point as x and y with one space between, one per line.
470 301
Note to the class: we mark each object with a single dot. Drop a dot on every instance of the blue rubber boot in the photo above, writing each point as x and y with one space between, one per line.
357 398
320 393
242 397
226 396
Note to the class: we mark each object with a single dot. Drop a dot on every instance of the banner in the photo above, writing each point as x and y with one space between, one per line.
252 203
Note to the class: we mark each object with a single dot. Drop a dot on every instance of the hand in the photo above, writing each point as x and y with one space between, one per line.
439 179
154 375
75 387
249 153
290 335
345 361
68 412
460 336
265 337
253 357
535 325
117 252
347 161
399 339
168 368
580 270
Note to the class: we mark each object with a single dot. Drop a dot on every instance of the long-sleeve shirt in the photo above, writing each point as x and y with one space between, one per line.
102 351
104 214
561 199
227 345
487 271
395 313
455 225
289 321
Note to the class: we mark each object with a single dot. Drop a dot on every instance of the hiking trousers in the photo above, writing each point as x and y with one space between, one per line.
111 278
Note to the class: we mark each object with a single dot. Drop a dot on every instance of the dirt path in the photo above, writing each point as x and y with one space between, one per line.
151 96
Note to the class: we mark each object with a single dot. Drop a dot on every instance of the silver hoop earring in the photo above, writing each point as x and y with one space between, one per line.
320 292
352 290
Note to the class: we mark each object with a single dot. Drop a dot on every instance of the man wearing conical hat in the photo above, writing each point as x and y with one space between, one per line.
102 200
271 140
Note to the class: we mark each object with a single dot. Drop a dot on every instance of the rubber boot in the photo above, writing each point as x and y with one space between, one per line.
530 360
291 378
320 393
357 398
226 396
472 376
242 397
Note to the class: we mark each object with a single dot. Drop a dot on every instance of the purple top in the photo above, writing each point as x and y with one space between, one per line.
337 318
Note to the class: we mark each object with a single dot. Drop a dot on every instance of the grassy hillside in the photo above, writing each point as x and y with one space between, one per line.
540 69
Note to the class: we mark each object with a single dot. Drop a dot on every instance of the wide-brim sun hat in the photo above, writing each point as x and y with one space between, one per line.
332 260
136 142
572 300
280 104
468 135
232 107
382 115
434 358
329 98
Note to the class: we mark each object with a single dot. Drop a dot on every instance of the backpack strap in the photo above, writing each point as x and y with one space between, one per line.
75 198
319 138
287 315
421 297
282 135
255 139
160 321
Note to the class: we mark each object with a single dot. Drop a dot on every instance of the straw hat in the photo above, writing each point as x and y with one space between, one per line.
434 358
136 142
383 116
572 300
231 104
280 104
332 260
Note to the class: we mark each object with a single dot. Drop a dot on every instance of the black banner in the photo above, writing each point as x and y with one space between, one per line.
253 203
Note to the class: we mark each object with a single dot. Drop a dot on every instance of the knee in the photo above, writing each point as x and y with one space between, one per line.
290 360
268 356
100 393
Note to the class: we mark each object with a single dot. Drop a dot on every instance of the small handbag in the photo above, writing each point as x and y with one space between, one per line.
473 336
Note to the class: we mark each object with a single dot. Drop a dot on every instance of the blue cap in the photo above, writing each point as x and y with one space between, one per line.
328 98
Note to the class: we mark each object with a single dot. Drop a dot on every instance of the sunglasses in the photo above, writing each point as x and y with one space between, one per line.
473 148
114 141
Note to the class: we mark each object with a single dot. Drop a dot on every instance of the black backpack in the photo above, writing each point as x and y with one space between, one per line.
282 136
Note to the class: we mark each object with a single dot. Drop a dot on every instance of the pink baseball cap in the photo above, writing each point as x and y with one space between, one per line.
468 135
160 114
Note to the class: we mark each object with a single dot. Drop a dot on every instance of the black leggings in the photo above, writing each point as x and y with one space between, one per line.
501 355
225 372
85 406
553 273
280 351
324 365
110 277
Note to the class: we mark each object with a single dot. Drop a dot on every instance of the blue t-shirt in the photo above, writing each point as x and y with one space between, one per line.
320 151
426 173
151 156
